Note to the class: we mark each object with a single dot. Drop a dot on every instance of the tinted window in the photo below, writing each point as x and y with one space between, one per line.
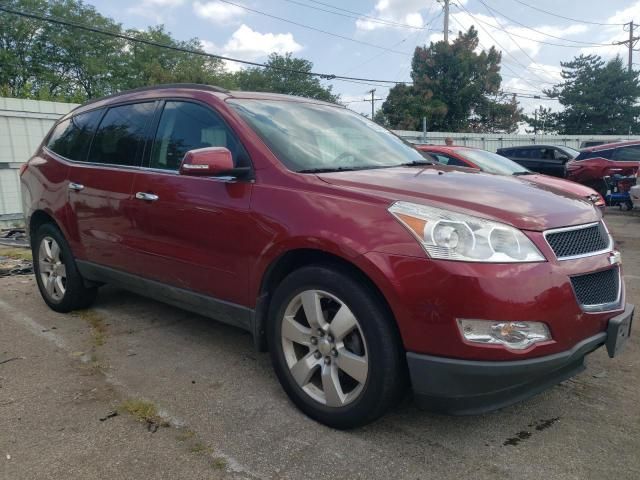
72 137
628 154
451 161
120 137
186 126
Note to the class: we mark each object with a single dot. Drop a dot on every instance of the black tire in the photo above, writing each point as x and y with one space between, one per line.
77 295
387 374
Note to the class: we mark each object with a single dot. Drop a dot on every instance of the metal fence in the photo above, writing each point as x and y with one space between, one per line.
23 124
494 141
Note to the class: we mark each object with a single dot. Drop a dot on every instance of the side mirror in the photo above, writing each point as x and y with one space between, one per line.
207 162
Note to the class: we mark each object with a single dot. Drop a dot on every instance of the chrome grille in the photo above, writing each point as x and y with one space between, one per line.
578 241
597 290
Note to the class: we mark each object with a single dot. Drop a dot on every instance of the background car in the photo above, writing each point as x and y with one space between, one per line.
494 163
547 159
595 143
595 163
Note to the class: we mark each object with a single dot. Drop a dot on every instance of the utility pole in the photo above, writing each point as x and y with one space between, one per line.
630 43
373 101
446 21
630 46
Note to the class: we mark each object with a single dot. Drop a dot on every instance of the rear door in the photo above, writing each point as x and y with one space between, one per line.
100 185
194 233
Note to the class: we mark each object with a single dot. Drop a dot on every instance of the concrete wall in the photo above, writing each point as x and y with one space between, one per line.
23 125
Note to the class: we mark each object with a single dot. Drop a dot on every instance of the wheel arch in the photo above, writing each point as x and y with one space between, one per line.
295 259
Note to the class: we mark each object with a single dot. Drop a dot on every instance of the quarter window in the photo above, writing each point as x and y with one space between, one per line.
72 137
121 135
188 126
628 154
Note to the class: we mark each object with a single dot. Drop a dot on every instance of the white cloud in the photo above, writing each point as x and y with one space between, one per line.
397 11
218 12
247 44
250 44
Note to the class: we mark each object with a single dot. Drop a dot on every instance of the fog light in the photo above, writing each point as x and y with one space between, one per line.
513 335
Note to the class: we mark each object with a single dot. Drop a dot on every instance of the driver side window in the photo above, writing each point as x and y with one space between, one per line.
188 126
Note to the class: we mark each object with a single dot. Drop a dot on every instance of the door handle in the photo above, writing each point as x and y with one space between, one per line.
76 187
149 197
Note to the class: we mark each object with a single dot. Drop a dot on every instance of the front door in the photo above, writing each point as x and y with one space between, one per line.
193 232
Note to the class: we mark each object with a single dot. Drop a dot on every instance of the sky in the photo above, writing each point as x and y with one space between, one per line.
375 39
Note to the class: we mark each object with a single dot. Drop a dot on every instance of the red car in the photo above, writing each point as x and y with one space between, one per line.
359 266
497 164
595 163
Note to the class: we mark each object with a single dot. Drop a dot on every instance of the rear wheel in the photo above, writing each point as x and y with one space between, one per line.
59 281
334 347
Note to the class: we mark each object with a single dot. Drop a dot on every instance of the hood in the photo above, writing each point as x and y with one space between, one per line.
507 199
561 184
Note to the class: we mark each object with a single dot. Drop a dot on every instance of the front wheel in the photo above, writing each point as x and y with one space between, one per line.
61 285
334 347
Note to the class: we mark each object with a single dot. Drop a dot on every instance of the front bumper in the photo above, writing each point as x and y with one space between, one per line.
466 387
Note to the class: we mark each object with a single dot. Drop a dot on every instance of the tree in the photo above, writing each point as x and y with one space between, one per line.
543 121
455 87
598 97
279 78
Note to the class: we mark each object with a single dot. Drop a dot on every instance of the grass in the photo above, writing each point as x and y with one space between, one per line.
199 447
98 328
16 253
219 463
143 411
186 435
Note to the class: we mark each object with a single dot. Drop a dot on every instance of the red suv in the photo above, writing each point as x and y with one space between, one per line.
595 163
360 266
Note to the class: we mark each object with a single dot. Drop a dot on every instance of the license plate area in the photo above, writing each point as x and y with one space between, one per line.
618 331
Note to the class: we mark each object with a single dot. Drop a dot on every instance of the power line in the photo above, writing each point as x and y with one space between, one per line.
356 15
309 27
324 76
539 32
504 49
512 39
566 18
542 42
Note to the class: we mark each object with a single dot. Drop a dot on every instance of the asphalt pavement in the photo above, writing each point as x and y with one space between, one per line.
133 388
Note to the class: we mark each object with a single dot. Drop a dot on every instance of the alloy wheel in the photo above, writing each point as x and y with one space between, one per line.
324 348
51 268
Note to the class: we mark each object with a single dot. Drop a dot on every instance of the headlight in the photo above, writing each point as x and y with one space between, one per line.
455 236
513 335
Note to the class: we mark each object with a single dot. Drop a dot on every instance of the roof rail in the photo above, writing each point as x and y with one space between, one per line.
164 86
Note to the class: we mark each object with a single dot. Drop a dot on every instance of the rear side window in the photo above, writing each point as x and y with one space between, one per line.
187 126
451 161
121 135
627 154
72 137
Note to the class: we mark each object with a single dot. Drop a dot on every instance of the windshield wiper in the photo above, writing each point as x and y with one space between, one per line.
416 163
525 172
326 170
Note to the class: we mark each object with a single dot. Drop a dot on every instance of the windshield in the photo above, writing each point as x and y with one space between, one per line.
572 152
492 162
308 137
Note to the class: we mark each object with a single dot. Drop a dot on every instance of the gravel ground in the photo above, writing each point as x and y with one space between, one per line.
135 389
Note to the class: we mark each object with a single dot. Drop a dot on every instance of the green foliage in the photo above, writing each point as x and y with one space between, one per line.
278 80
599 98
48 61
456 88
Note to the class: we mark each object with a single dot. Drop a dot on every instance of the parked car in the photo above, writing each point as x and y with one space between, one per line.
493 163
593 164
595 143
546 159
359 265
634 192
